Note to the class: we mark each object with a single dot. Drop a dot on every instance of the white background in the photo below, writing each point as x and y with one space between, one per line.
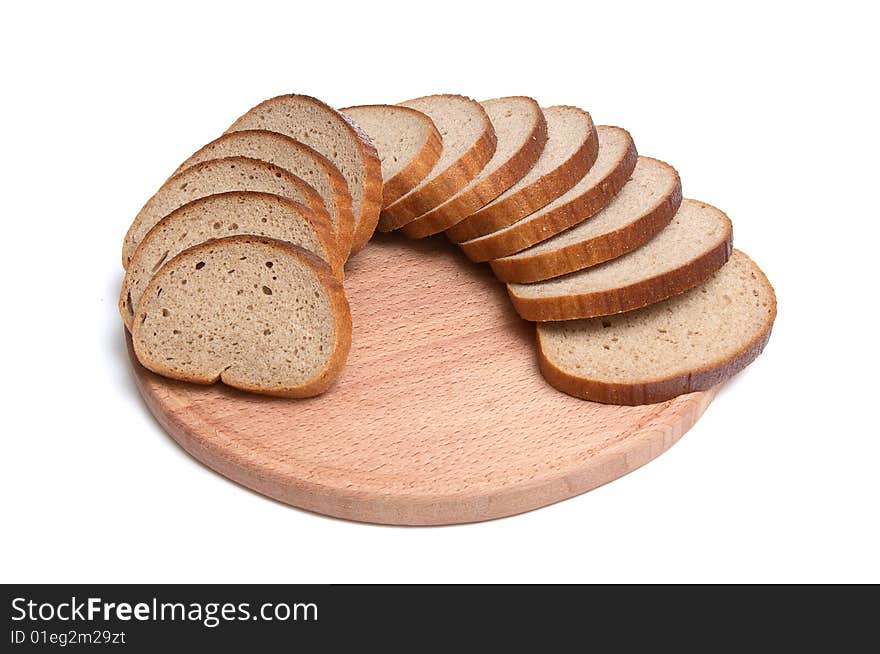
768 110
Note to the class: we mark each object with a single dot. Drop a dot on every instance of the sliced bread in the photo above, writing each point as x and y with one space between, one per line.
297 158
614 165
407 142
687 343
645 205
521 132
257 314
694 245
571 149
216 216
218 176
468 145
336 137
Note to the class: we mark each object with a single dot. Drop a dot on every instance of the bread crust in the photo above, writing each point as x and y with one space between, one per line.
634 296
343 228
446 184
418 168
536 195
314 200
458 208
371 200
590 252
320 227
339 307
659 389
513 239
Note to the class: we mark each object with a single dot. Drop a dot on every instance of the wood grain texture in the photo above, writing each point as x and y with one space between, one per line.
441 415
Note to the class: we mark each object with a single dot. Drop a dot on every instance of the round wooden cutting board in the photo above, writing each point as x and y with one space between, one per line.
441 415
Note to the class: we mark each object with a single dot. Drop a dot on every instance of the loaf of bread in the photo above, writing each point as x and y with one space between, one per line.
690 342
520 132
257 314
644 206
296 158
216 216
694 245
335 136
407 142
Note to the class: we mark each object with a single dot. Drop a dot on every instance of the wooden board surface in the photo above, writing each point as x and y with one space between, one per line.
441 415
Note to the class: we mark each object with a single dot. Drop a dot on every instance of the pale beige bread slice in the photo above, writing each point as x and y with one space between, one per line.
571 149
688 343
217 176
257 314
297 158
217 216
521 132
468 145
684 254
614 165
644 206
407 142
335 136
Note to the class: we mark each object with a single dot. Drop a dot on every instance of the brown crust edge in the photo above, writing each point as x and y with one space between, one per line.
634 296
315 202
339 306
419 166
533 197
322 230
591 252
512 239
344 228
460 206
371 199
661 389
449 182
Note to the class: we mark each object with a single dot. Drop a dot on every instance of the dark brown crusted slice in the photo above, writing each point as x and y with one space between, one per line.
693 246
521 133
335 136
644 206
257 314
688 343
297 158
614 165
571 149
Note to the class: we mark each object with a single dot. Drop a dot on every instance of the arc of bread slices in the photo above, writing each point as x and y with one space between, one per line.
690 342
291 324
224 214
217 176
614 165
521 133
695 244
570 151
407 142
335 136
644 206
468 145
298 159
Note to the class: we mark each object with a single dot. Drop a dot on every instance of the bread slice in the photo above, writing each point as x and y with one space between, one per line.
613 167
694 245
216 216
257 314
468 145
297 158
521 132
687 343
407 141
571 149
218 176
339 139
645 205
